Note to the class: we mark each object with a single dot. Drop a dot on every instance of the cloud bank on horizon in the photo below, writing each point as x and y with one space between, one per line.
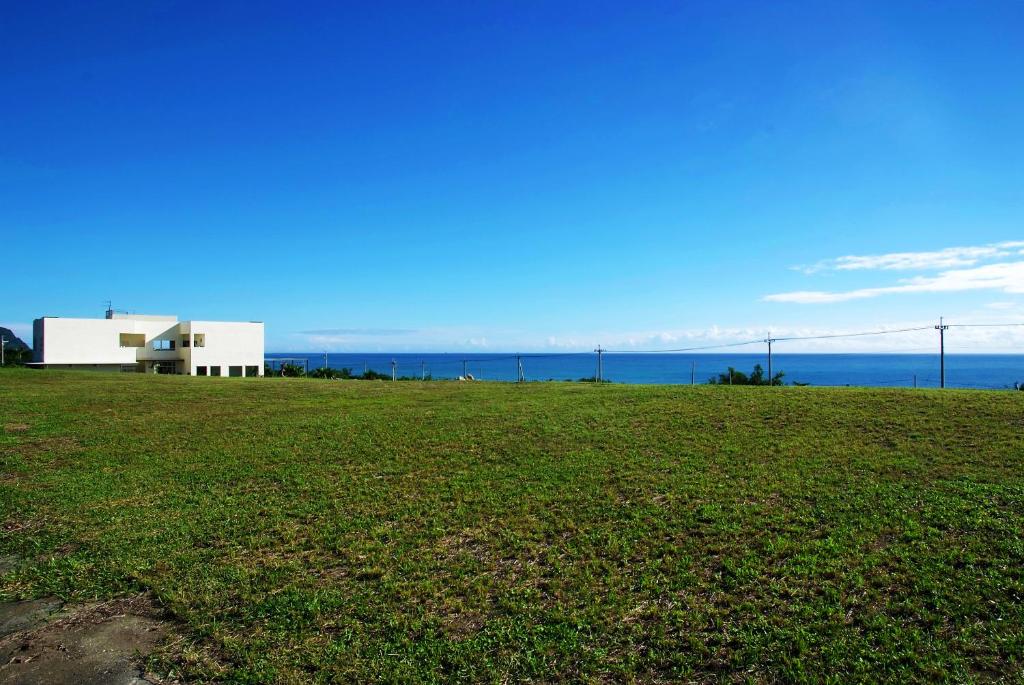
983 267
997 267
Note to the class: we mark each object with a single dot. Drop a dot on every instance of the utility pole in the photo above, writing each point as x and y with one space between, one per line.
941 328
693 369
600 365
464 372
423 371
769 340
393 365
3 343
519 369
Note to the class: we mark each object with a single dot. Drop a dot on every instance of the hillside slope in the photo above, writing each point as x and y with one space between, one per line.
13 341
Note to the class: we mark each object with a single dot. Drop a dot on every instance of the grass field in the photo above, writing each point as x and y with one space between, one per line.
322 531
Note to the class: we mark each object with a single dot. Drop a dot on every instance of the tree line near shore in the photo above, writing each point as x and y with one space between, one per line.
344 373
730 377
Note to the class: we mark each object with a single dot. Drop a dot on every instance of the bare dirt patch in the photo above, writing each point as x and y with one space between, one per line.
17 526
15 427
462 625
8 563
42 642
46 446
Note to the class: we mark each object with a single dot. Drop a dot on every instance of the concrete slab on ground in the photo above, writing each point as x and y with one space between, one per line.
43 642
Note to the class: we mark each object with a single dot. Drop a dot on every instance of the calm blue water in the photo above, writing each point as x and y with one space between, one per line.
993 371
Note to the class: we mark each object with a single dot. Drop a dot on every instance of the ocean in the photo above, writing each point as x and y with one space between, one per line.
991 371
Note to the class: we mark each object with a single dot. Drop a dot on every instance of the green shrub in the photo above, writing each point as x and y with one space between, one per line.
756 377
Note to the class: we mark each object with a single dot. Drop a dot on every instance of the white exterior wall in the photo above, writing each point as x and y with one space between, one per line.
228 343
98 341
95 343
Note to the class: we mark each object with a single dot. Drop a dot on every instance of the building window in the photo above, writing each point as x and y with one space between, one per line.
235 371
184 341
132 340
199 340
252 371
163 344
200 370
166 367
214 370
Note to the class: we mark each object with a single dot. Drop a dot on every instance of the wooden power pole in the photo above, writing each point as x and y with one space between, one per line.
941 328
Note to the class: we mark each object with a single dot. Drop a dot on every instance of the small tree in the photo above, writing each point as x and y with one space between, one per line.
292 370
756 377
18 356
327 372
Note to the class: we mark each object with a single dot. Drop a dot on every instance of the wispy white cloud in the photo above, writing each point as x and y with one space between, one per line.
1006 277
339 332
380 339
947 258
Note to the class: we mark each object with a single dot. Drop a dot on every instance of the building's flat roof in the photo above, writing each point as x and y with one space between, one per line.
215 321
137 317
142 317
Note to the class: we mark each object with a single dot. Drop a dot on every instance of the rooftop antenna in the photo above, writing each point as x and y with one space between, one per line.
110 309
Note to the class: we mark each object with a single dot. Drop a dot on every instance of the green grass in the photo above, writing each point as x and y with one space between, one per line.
326 531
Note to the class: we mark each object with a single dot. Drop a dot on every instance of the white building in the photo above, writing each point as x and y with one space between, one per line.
151 344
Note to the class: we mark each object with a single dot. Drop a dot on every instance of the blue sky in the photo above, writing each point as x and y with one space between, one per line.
502 176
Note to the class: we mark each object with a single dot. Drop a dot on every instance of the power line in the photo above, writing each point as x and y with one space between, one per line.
825 336
983 325
689 349
854 335
776 339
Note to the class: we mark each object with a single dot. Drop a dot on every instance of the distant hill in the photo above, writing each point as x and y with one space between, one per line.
13 342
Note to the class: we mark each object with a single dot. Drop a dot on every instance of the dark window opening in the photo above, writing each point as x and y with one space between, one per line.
200 370
252 371
214 370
